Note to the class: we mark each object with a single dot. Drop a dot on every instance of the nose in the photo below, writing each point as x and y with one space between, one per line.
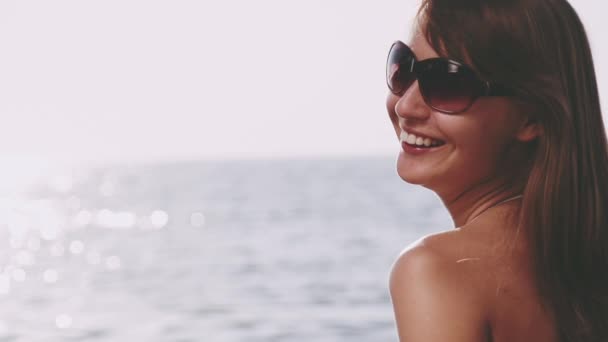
411 105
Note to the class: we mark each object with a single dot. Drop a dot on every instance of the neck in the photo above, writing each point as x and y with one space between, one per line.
466 196
466 206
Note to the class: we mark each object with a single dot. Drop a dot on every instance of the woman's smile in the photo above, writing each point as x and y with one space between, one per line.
419 140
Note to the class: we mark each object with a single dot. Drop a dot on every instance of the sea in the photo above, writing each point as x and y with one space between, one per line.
276 250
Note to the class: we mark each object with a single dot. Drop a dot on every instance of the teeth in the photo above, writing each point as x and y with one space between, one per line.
412 139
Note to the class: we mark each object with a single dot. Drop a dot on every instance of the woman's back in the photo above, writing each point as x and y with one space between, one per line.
513 302
495 264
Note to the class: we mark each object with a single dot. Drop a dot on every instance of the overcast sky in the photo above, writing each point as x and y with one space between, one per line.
148 80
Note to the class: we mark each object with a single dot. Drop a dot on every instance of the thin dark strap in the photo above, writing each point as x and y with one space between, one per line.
496 89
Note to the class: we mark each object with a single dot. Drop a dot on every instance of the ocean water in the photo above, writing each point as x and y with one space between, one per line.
214 251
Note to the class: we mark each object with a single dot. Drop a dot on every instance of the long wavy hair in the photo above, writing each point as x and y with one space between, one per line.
540 49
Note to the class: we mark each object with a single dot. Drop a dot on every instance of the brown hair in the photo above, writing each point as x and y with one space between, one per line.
541 50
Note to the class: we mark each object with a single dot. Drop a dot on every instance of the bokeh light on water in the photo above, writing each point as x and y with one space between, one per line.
50 276
223 252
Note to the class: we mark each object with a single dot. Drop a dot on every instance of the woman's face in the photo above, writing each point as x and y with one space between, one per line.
475 140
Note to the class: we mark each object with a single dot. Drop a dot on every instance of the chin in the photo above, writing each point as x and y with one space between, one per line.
412 179
412 175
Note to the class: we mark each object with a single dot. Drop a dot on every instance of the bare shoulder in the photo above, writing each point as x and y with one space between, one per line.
433 295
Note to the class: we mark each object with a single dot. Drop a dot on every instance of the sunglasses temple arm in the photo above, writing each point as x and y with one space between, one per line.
495 89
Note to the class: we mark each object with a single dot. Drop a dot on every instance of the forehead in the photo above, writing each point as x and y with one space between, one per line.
420 47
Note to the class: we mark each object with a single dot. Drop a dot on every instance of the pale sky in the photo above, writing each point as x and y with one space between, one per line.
149 80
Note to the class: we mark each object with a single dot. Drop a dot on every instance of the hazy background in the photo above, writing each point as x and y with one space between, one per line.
172 80
232 170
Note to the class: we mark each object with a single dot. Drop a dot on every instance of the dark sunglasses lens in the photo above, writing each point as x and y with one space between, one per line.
449 87
398 75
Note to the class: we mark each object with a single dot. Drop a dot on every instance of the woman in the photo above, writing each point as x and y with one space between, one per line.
496 105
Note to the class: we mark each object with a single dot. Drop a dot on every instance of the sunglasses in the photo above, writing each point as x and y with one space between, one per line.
446 85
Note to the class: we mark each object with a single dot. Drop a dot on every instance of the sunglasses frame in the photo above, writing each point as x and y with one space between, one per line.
484 88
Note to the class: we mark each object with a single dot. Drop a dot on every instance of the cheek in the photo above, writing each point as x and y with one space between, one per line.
391 101
485 127
475 142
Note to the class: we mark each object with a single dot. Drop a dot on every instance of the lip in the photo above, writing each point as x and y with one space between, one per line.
419 134
411 149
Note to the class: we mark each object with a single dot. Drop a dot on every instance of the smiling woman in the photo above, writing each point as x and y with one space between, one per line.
507 91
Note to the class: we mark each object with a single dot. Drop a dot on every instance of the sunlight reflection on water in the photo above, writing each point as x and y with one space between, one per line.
202 252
